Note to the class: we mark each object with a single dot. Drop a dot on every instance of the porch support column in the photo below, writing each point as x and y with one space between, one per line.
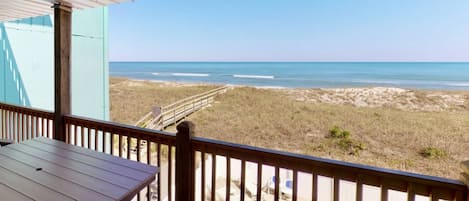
62 67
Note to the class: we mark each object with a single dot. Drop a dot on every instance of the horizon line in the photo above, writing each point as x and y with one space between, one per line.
292 61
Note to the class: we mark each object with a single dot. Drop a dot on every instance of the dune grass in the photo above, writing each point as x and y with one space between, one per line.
384 137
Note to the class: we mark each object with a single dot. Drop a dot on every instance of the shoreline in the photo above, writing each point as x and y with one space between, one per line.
188 83
367 97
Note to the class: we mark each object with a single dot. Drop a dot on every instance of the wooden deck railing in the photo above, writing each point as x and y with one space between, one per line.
340 175
216 170
19 123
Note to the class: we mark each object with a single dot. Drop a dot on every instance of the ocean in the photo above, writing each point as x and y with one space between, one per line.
418 75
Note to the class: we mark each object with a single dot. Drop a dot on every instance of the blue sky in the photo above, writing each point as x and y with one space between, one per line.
289 30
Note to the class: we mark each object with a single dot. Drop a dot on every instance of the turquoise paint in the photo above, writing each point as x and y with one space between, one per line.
106 101
27 62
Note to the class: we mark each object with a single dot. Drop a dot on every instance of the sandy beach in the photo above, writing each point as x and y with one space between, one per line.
391 126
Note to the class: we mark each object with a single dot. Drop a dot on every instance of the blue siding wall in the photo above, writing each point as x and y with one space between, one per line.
27 62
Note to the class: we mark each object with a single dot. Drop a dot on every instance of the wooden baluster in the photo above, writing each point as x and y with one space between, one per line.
149 163
158 163
112 143
9 126
103 140
82 136
88 133
23 127
74 133
36 128
170 173
228 178
277 184
2 121
315 186
295 186
120 145
384 193
69 136
259 181
359 189
138 159
202 180
28 127
336 188
214 176
48 134
17 120
96 139
410 192
138 149
129 141
243 180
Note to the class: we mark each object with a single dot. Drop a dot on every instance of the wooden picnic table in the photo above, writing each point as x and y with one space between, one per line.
46 170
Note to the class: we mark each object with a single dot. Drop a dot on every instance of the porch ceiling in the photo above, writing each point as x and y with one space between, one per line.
18 9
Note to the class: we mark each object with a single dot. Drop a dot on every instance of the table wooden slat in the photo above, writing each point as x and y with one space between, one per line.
73 190
10 194
97 172
45 169
30 188
66 174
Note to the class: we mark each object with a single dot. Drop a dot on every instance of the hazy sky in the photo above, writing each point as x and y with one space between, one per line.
289 30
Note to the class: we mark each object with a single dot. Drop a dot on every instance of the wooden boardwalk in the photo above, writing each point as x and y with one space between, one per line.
161 118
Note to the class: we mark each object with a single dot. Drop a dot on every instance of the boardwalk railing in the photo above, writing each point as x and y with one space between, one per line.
216 170
173 113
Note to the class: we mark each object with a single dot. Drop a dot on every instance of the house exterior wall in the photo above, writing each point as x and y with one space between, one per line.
27 63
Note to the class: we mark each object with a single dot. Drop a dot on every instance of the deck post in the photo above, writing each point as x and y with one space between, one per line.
184 162
465 176
62 67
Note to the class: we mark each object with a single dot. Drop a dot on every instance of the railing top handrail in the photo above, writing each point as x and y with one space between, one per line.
143 118
291 160
194 96
27 110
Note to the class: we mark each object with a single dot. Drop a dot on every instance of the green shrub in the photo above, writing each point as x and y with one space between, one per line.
433 152
337 132
345 142
345 134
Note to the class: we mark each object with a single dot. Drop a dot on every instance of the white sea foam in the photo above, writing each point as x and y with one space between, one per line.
458 84
155 73
191 74
376 81
255 76
270 87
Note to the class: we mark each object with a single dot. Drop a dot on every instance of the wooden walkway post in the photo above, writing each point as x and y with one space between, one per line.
62 50
184 162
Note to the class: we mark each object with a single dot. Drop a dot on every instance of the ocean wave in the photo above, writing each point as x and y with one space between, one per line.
255 76
415 82
458 84
270 87
191 74
377 81
155 73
